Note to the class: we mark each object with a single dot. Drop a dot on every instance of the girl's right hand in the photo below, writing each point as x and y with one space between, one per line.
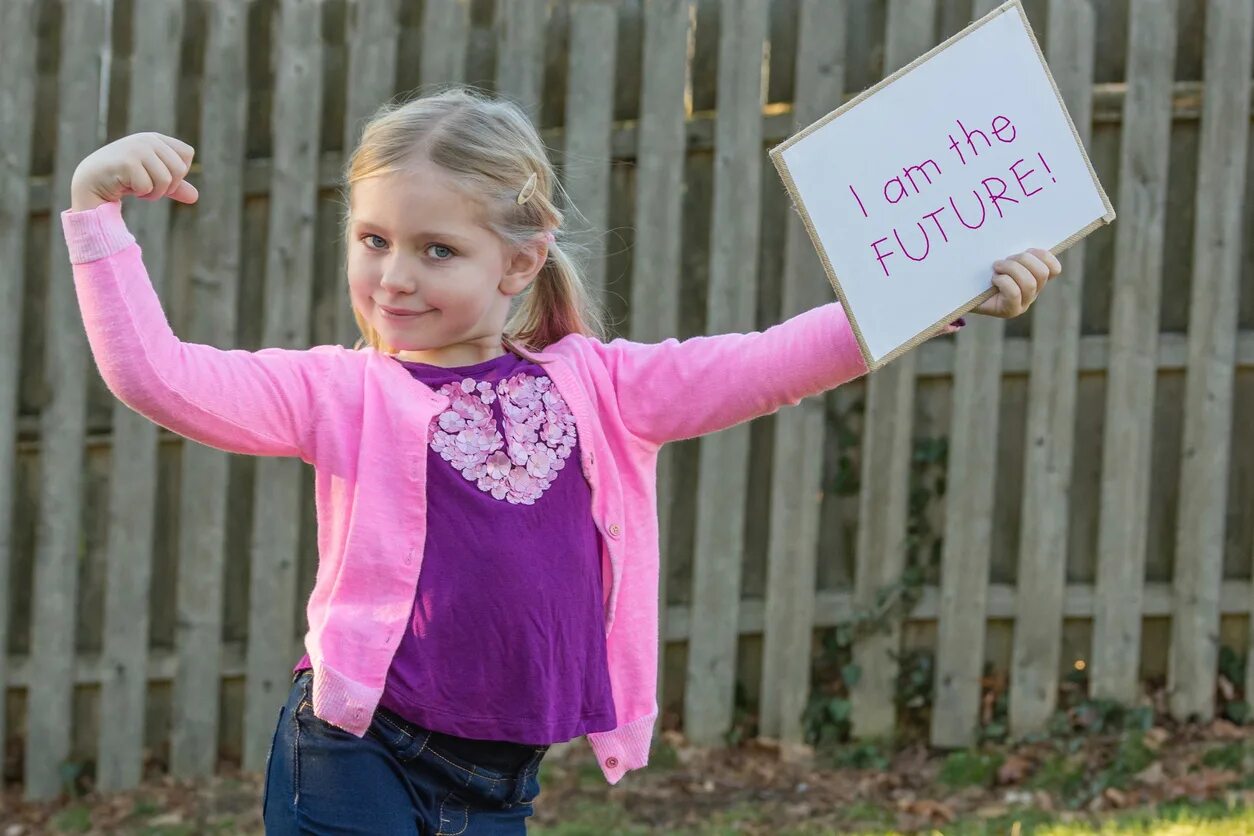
148 165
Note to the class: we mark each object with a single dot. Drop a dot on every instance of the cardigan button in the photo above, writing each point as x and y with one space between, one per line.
611 762
615 529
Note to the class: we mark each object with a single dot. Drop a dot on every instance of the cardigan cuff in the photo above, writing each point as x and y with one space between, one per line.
93 234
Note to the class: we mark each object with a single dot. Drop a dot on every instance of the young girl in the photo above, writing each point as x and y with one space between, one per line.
488 546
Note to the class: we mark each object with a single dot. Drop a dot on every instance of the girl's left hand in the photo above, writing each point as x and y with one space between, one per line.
1018 280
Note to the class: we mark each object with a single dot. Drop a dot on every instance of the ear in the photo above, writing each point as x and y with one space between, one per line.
523 266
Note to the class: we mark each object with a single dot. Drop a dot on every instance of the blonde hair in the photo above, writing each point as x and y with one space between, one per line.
491 148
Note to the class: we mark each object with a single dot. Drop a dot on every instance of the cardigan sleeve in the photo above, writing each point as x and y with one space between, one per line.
258 402
674 390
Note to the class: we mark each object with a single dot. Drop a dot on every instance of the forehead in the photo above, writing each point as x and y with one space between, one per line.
422 197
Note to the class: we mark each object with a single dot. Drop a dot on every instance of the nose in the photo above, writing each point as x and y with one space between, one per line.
398 279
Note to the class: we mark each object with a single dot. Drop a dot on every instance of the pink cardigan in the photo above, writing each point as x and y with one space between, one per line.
362 421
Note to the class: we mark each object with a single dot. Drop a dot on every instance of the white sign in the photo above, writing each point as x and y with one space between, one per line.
911 190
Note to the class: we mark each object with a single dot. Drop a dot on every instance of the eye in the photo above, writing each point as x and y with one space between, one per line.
440 252
367 237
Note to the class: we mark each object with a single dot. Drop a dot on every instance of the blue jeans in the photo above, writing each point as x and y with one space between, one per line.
398 779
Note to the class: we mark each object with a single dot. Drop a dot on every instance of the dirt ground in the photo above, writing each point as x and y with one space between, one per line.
761 787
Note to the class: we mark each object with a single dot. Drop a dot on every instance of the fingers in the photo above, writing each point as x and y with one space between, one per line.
1009 299
157 175
1023 280
185 193
1036 267
1050 260
162 170
138 179
184 151
175 165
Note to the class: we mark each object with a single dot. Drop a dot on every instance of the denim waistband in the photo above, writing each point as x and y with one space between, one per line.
499 755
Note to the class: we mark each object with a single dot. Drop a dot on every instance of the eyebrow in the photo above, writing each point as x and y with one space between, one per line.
451 236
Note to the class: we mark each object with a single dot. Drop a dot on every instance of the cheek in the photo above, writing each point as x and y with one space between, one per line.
361 283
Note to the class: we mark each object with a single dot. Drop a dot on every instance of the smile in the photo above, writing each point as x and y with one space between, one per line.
396 313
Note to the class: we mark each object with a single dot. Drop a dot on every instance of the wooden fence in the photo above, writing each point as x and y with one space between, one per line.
1078 480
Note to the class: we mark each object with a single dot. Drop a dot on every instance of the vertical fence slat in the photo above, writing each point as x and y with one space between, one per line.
659 221
83 99
133 474
797 469
1127 444
724 456
372 79
17 98
445 33
1052 387
289 289
589 114
1217 242
520 29
967 547
204 476
886 450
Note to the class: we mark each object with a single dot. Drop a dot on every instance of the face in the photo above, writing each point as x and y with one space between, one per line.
426 273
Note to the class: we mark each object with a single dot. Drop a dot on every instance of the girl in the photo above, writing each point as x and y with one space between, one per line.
488 545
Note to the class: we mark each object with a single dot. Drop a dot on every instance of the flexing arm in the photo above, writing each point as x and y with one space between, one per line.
260 403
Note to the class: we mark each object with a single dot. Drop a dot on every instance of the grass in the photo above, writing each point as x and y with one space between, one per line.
1188 820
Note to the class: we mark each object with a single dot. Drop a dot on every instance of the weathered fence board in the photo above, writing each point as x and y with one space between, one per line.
81 96
589 111
796 476
17 97
723 470
289 251
372 67
205 477
133 476
446 32
655 281
886 452
1051 414
1217 242
966 553
520 52
1126 446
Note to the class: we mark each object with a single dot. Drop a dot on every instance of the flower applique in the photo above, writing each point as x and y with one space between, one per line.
539 435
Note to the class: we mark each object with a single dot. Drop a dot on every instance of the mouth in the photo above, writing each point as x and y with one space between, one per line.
401 313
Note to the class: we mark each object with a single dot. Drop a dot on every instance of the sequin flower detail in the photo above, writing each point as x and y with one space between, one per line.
519 465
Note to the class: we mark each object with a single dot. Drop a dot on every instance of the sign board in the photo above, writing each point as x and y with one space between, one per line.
911 190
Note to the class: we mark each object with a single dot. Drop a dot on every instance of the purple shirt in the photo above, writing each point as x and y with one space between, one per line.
505 640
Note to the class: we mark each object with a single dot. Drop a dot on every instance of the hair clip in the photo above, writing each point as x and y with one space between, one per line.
528 189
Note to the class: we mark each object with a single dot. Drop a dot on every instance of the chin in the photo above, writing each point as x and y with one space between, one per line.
402 344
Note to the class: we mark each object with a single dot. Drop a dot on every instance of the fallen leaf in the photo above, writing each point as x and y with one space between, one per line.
931 810
1224 730
991 811
1156 737
1014 769
1151 775
1117 798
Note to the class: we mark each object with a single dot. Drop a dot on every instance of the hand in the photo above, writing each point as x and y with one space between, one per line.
1018 280
148 165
